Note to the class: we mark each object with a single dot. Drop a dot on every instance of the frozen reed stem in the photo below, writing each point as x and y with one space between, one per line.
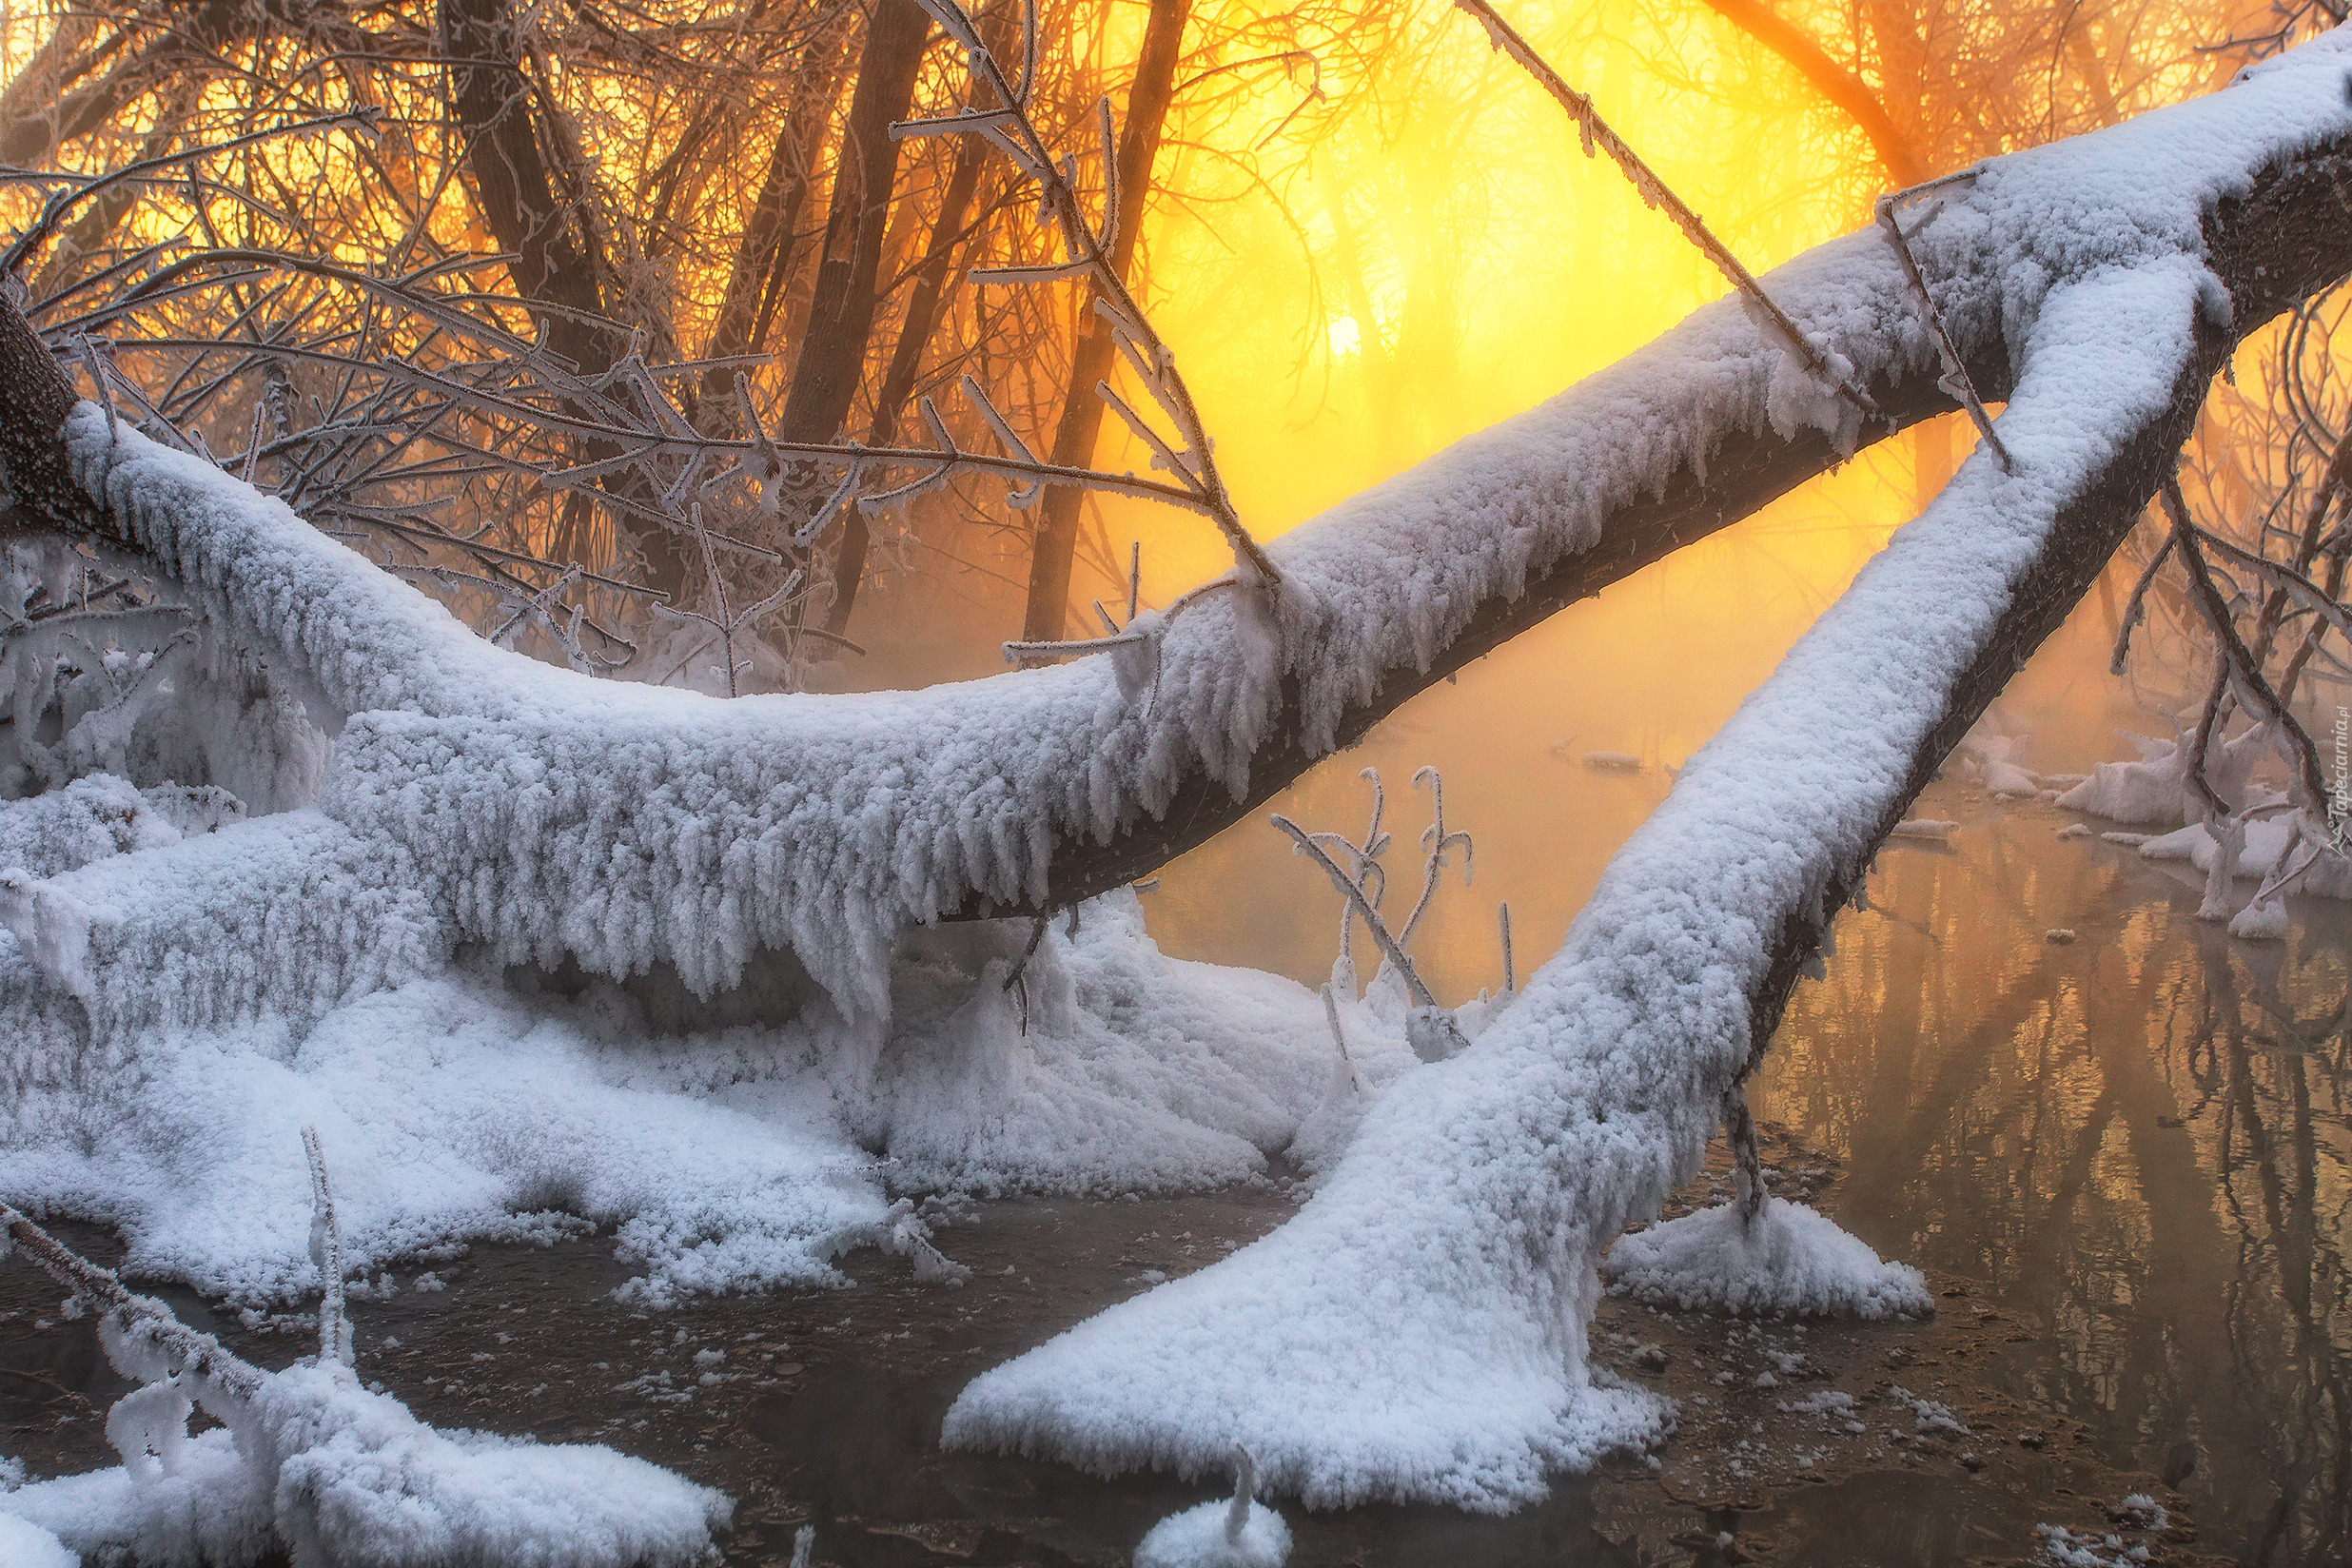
326 1252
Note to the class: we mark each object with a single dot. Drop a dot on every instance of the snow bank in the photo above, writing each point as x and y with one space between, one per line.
736 1155
1378 1051
311 1462
289 915
1790 1260
1418 1330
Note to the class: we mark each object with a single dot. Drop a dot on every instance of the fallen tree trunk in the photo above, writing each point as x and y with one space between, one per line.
826 824
2279 241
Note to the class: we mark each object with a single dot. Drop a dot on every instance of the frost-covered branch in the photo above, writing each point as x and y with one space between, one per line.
1392 950
1363 867
1433 1029
327 1252
1086 245
1954 380
1436 844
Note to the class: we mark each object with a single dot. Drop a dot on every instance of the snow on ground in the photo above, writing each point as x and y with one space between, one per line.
25 1544
1418 1330
1790 1259
2140 1517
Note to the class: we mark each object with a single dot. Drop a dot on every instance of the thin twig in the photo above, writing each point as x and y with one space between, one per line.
1954 380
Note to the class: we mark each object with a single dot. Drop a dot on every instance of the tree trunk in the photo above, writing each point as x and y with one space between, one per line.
934 279
1082 411
491 102
764 259
514 191
2270 248
833 349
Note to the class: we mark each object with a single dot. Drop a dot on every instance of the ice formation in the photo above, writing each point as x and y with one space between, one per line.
1418 1330
1788 1259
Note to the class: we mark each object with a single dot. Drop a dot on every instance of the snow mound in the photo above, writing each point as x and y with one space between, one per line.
1204 1537
25 1544
2264 921
2266 839
2153 790
2147 790
1790 1258
1362 1358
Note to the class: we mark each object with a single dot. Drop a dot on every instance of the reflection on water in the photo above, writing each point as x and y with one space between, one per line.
2137 1139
